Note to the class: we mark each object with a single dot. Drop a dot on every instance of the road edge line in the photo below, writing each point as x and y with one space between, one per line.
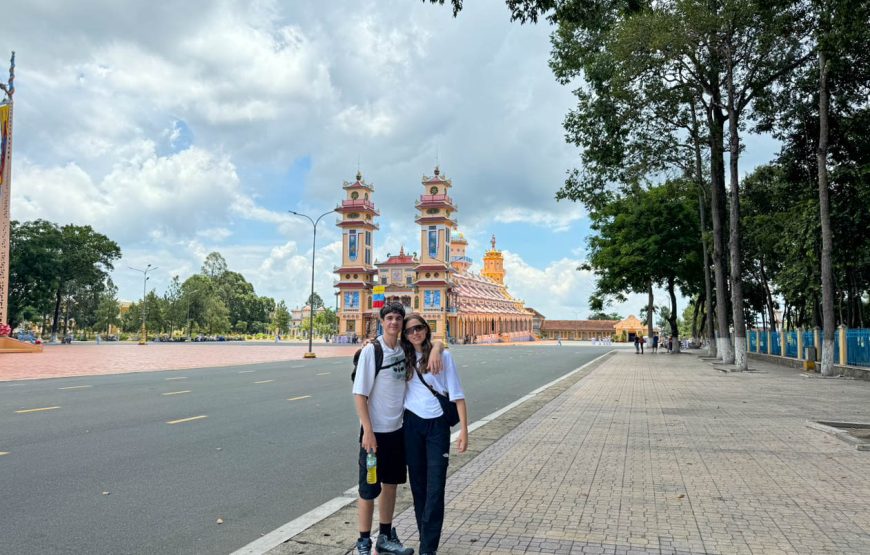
301 523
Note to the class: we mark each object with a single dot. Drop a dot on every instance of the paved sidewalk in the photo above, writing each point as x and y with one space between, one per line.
664 454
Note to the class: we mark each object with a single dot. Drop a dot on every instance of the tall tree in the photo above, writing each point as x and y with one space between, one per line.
84 257
314 301
214 265
34 250
281 318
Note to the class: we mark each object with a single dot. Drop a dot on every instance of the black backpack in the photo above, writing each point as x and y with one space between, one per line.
379 360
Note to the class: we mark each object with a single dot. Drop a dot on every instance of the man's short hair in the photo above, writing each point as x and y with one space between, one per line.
398 308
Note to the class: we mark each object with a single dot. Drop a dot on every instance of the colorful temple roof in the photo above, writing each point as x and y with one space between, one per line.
478 294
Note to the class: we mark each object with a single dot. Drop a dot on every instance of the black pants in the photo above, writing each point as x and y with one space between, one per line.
427 448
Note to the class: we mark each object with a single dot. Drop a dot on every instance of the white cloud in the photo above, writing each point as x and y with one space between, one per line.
144 193
173 127
554 221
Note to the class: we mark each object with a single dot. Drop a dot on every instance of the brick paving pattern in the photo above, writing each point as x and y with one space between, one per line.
663 454
58 361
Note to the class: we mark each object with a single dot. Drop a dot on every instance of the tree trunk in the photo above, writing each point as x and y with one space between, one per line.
739 320
716 121
672 318
650 311
702 207
827 363
66 318
768 297
54 321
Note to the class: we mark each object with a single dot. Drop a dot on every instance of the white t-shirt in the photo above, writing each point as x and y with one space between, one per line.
386 393
418 398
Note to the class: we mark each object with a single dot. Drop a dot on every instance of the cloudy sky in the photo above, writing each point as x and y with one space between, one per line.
182 128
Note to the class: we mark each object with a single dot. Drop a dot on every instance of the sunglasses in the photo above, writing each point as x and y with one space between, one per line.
415 329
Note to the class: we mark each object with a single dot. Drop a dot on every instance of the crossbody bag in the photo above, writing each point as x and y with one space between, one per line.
451 412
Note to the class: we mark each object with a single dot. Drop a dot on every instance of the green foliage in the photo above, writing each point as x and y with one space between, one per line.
604 316
281 318
59 270
314 301
33 251
326 322
648 237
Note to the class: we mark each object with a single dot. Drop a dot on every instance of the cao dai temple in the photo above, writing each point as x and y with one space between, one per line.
459 305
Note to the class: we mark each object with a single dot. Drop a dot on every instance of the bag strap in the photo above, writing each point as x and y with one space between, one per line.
429 387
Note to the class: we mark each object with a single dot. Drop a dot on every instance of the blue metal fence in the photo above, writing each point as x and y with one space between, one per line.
786 344
791 344
775 343
809 341
858 347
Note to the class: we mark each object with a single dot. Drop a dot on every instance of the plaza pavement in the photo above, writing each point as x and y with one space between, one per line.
88 359
655 454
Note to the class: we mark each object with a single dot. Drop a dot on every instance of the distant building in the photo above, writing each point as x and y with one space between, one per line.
299 315
537 320
627 329
458 304
577 329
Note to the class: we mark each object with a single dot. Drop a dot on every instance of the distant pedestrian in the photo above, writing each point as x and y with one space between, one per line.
641 342
655 345
636 345
559 341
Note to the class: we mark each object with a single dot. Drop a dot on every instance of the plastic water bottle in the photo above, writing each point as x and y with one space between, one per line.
371 467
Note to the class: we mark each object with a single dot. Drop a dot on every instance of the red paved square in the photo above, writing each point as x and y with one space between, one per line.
57 361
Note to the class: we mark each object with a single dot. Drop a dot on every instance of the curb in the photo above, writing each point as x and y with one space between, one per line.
330 528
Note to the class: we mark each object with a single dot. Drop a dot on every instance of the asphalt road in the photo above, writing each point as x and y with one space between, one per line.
149 462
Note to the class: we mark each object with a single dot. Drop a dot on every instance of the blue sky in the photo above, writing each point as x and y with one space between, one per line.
178 130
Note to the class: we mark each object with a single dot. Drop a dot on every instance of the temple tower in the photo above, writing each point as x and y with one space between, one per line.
357 271
493 264
458 259
433 273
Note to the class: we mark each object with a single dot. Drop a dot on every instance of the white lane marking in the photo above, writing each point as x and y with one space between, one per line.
76 387
323 373
246 371
298 366
3 453
176 392
178 378
280 535
25 411
191 419
299 398
265 381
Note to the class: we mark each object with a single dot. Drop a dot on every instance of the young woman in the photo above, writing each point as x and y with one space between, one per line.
427 434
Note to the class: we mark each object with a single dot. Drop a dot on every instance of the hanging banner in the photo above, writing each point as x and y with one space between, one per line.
433 244
351 245
431 299
5 138
351 300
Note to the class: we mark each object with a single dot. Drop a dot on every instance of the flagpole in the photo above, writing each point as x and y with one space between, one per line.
6 191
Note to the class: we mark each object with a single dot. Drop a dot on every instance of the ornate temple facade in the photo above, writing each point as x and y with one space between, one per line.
459 305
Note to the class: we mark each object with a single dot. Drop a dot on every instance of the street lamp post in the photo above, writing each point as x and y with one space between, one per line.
143 338
310 353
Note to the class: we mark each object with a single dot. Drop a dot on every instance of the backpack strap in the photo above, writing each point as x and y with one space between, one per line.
379 357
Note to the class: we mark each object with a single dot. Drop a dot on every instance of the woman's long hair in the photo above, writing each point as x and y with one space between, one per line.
408 347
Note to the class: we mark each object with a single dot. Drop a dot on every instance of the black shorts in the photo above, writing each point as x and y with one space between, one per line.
391 463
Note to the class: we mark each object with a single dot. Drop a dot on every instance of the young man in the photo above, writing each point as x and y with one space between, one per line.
379 404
